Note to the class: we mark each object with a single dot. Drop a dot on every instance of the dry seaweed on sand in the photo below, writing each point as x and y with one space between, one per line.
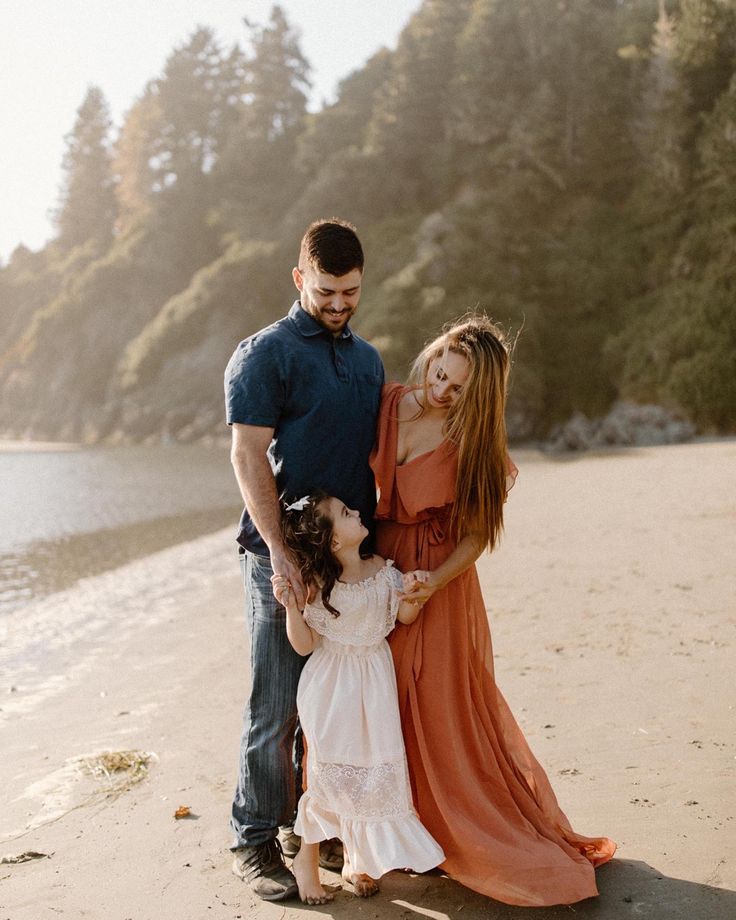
115 771
23 857
118 770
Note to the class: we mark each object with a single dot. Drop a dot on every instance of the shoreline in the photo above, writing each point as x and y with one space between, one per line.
22 446
611 610
548 447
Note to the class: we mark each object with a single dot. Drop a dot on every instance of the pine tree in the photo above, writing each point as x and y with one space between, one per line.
256 178
665 127
193 96
87 205
135 152
706 48
344 124
409 123
277 79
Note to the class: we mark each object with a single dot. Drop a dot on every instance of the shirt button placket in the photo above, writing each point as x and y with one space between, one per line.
341 367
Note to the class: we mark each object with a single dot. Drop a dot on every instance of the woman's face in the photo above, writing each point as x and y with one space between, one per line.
446 375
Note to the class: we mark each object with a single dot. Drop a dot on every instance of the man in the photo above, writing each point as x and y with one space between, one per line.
302 398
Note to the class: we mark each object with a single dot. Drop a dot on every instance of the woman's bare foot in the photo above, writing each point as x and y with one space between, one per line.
305 866
364 885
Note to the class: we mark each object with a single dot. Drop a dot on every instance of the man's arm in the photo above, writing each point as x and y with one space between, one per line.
255 478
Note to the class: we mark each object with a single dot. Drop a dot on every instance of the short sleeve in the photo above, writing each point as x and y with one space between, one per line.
395 583
314 616
254 384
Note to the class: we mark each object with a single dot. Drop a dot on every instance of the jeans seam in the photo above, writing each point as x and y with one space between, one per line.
251 603
251 597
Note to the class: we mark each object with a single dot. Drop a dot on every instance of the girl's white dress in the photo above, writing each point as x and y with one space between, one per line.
357 779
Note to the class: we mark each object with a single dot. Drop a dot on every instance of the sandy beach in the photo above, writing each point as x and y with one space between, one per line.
612 604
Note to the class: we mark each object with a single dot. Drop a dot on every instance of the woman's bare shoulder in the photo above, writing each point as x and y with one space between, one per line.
408 405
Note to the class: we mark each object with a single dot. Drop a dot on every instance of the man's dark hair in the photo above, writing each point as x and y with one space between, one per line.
331 246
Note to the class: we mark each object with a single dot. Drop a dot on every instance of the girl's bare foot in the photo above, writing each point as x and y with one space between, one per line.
305 866
364 885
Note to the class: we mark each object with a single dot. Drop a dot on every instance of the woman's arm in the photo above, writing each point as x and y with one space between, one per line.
467 551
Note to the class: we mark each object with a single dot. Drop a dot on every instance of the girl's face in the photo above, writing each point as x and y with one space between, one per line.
347 528
446 375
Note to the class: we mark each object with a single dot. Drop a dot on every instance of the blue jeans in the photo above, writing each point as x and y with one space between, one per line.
269 781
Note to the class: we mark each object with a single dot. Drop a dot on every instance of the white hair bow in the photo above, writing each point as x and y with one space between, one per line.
299 505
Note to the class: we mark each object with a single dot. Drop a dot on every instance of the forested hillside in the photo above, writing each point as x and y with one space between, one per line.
569 167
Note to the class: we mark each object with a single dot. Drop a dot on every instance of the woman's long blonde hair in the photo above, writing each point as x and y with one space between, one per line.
476 422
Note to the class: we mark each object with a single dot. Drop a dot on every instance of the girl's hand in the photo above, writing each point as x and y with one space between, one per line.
411 578
419 586
281 589
284 567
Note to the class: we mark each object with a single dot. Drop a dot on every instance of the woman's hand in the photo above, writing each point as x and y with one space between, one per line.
419 586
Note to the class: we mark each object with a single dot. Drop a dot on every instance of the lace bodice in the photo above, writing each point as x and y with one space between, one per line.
367 609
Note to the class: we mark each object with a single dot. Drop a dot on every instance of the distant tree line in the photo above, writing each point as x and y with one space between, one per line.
569 167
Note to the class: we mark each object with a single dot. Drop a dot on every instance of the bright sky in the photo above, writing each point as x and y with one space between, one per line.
52 50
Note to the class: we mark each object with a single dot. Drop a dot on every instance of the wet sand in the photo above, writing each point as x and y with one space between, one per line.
20 447
611 602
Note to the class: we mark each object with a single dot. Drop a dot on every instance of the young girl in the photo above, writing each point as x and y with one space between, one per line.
357 779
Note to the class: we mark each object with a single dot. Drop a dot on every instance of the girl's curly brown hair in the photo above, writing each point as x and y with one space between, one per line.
307 532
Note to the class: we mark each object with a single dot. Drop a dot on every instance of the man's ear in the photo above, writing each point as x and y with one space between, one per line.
334 544
298 278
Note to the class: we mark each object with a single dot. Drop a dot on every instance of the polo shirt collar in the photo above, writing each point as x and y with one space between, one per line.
308 325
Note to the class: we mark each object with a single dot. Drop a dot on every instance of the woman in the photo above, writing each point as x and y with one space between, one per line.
443 472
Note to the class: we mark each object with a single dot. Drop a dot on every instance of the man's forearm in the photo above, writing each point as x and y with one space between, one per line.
249 457
258 488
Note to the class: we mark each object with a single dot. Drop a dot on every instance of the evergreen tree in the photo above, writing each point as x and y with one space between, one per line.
567 166
665 125
683 350
193 95
135 152
344 124
256 177
706 48
497 66
408 127
87 203
276 79
663 129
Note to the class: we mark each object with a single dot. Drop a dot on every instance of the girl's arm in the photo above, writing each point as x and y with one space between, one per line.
408 612
299 632
468 550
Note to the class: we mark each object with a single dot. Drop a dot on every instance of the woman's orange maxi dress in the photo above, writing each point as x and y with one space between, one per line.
476 784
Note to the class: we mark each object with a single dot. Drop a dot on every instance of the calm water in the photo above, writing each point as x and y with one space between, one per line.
66 514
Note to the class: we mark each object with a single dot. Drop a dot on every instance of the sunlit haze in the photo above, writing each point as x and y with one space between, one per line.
52 51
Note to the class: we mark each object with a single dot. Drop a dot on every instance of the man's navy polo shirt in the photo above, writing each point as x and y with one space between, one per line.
320 394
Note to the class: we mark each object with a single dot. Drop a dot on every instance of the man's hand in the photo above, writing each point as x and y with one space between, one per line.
286 572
